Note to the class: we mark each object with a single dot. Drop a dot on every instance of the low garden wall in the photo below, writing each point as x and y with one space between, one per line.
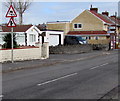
25 54
70 49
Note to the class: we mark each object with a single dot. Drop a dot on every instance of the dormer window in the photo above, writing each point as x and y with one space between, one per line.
77 26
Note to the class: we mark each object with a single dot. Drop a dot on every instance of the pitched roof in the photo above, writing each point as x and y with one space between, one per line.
18 28
87 33
41 27
117 20
104 18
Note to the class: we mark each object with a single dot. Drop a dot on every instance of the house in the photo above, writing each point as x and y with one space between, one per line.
25 34
95 27
29 35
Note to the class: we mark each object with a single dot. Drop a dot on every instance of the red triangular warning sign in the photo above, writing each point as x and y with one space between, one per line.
11 12
11 23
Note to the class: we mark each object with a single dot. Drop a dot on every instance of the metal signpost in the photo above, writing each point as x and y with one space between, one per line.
11 13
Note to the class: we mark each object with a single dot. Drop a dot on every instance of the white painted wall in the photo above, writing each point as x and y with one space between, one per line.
42 52
32 33
20 38
53 37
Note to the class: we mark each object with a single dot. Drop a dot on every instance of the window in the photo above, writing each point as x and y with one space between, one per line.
20 39
77 26
32 38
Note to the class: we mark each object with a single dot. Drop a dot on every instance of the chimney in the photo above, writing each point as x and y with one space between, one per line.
94 9
105 13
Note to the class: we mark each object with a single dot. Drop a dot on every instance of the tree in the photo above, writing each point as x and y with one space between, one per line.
20 7
8 42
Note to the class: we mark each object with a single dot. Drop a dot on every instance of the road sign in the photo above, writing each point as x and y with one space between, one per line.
11 23
11 12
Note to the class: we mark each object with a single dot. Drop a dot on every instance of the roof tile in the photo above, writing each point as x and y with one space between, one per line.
104 18
86 32
18 28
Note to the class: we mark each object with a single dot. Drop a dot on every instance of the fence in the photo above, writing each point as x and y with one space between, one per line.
40 52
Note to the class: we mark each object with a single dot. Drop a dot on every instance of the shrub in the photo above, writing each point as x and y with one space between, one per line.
8 43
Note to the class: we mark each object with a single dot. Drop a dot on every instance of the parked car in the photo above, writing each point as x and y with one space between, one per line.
72 40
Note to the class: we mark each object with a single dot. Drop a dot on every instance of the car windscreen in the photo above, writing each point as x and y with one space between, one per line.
80 38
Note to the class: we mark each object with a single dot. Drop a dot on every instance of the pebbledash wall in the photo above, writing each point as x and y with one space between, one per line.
41 52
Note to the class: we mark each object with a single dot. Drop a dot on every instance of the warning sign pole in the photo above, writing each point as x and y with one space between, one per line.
12 45
11 13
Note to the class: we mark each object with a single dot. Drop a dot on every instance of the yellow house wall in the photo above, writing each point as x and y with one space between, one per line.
56 26
88 21
59 26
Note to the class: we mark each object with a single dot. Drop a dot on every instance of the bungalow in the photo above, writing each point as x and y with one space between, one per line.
95 27
29 35
25 34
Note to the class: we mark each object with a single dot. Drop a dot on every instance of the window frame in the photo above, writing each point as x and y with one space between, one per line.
77 25
32 37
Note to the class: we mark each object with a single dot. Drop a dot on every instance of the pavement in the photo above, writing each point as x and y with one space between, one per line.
53 59
83 78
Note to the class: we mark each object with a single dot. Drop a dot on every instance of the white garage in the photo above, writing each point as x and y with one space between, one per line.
54 40
54 37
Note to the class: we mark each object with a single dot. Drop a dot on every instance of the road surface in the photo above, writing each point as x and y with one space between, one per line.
90 78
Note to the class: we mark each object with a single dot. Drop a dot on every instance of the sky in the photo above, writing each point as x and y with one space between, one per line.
42 12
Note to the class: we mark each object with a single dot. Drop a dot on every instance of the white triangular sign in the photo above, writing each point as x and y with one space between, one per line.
11 12
11 23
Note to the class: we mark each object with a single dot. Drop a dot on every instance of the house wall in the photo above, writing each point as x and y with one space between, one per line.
59 26
100 41
32 36
20 38
56 26
89 22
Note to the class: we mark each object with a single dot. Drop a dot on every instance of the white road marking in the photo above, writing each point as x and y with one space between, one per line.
99 66
56 79
94 67
1 96
104 64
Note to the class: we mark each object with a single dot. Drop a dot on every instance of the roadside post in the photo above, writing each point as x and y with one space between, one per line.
11 14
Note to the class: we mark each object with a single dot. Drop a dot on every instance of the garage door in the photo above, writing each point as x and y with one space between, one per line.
54 40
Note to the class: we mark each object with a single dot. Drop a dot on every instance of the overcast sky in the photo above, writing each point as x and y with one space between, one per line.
42 12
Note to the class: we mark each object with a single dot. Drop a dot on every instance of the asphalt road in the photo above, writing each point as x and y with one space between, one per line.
80 79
